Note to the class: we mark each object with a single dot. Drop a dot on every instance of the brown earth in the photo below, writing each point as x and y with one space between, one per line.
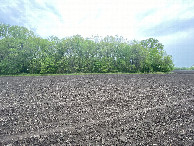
97 110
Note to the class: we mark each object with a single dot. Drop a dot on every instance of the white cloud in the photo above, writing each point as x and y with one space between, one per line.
169 11
88 17
176 37
103 17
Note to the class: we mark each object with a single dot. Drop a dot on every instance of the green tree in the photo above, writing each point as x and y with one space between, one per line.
14 50
157 59
21 51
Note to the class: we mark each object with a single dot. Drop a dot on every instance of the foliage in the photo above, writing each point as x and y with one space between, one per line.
184 68
21 51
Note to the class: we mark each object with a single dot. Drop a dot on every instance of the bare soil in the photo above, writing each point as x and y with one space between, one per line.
97 110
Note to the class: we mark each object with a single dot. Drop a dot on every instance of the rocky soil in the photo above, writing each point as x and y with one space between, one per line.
97 110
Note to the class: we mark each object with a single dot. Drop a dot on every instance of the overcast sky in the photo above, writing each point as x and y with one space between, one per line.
169 21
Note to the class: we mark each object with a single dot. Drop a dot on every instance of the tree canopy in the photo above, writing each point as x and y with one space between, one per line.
21 51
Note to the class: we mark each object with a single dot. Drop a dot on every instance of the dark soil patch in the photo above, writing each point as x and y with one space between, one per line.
184 71
97 110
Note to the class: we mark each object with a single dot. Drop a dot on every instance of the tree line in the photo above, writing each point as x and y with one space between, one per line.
22 51
184 68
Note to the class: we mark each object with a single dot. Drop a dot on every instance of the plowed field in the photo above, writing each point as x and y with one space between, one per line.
99 109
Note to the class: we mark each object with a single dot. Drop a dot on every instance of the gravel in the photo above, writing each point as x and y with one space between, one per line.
109 109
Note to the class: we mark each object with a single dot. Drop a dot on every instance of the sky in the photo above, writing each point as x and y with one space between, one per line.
169 21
